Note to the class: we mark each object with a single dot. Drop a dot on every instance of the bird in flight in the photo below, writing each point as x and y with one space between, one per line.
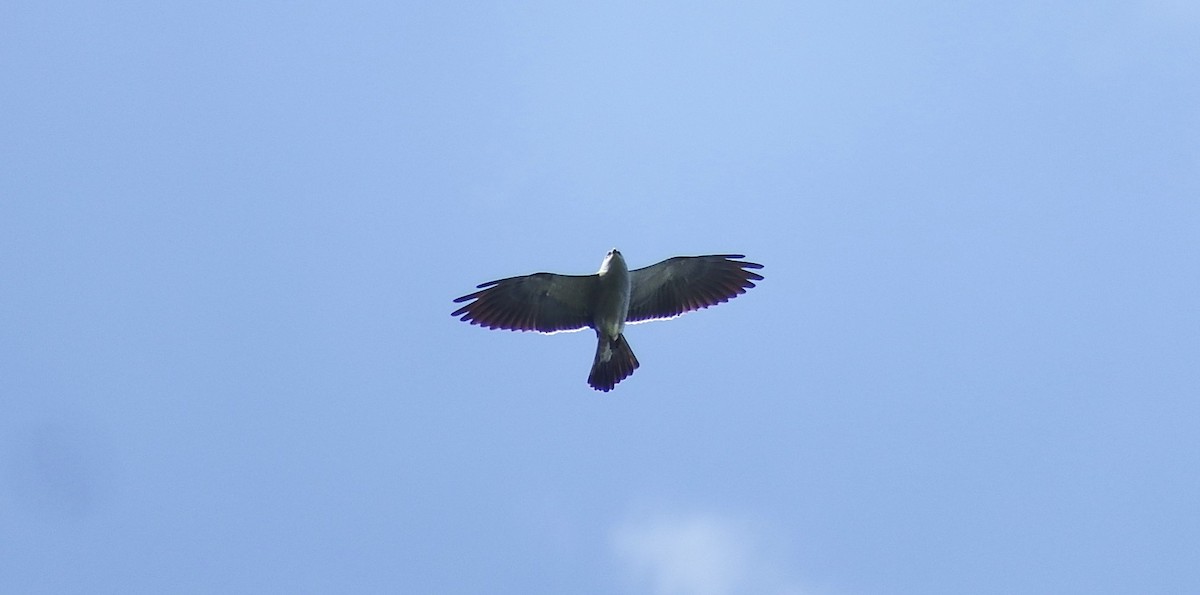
605 301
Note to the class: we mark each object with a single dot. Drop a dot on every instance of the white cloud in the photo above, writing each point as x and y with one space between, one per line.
698 555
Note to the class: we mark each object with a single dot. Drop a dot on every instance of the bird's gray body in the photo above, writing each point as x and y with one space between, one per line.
612 301
614 359
607 300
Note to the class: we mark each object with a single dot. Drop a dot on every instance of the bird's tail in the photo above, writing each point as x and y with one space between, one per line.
614 362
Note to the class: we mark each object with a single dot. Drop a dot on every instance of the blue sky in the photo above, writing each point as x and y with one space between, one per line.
230 234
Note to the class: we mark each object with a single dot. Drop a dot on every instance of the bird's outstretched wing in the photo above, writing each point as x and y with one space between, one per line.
685 283
542 302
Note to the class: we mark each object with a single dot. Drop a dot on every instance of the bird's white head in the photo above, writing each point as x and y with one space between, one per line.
613 255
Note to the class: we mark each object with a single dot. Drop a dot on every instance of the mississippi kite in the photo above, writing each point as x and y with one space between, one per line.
604 302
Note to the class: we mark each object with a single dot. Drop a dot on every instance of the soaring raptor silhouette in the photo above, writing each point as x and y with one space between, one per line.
551 303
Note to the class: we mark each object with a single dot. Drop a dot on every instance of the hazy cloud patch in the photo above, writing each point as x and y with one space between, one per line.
700 554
